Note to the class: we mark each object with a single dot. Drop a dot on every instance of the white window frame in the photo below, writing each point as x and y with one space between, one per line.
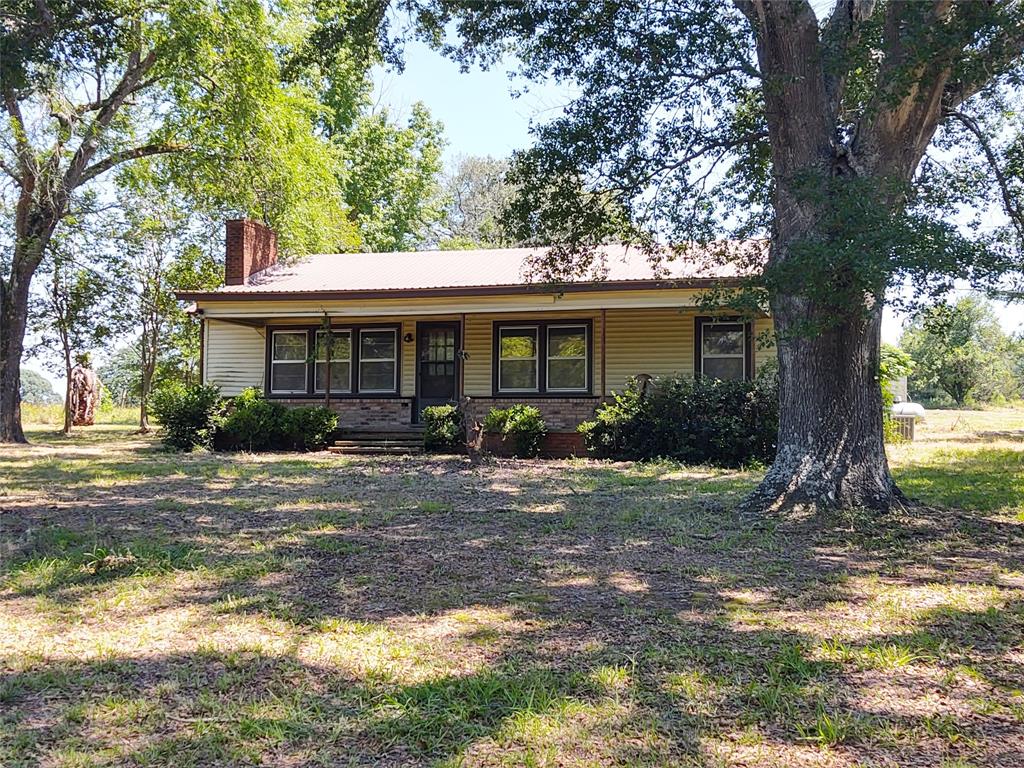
393 359
585 358
305 362
732 356
535 358
317 389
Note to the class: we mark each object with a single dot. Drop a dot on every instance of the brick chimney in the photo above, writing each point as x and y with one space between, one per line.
250 248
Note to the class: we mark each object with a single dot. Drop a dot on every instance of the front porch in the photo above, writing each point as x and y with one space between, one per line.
385 368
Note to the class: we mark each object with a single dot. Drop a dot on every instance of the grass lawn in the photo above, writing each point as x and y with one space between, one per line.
294 610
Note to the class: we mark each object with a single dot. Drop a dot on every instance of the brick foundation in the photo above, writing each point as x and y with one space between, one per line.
562 444
558 445
365 412
561 414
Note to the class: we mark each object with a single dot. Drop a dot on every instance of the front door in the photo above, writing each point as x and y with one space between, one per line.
437 372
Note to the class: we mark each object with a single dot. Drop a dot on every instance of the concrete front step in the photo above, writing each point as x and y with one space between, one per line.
397 440
409 433
405 429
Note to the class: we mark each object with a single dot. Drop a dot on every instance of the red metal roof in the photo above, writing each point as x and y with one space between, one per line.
430 271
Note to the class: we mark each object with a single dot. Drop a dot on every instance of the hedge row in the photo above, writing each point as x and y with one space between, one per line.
729 423
696 421
198 417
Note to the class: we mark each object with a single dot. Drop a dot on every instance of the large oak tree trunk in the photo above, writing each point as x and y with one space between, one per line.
831 452
33 228
830 449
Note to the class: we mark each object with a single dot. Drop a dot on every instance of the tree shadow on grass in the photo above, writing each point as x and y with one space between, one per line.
698 697
982 642
244 707
554 611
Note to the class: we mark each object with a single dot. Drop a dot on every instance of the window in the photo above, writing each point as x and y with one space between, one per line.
378 358
517 359
341 361
288 362
723 350
541 358
567 358
364 360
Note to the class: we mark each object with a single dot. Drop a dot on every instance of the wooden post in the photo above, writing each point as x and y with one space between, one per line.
461 355
604 335
202 349
328 343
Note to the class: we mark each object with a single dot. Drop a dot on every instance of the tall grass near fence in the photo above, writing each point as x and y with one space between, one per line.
53 415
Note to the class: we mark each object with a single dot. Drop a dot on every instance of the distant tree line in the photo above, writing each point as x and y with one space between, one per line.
962 356
37 389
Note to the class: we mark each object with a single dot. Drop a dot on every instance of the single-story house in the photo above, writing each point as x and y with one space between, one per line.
415 329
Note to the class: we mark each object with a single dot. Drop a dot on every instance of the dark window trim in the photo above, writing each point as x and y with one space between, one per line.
542 358
270 360
311 393
698 342
358 333
538 332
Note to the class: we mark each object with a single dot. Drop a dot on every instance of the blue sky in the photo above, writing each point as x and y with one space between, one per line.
479 112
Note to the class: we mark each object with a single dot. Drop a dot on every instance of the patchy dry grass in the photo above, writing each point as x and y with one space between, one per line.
166 610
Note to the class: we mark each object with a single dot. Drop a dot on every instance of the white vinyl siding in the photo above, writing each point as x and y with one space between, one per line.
764 342
654 341
234 356
657 342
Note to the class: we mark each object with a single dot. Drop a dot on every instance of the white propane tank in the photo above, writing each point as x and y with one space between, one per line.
908 409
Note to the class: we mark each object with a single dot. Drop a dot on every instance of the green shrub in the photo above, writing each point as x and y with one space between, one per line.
253 423
520 424
190 416
309 428
442 428
729 423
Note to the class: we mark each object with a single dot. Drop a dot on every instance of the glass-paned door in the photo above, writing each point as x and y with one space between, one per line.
438 364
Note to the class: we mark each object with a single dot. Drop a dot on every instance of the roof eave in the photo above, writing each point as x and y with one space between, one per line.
457 291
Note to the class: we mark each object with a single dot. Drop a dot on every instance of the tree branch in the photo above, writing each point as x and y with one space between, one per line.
45 14
10 172
746 7
997 58
21 143
839 36
722 146
904 112
116 158
137 69
1011 207
796 104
